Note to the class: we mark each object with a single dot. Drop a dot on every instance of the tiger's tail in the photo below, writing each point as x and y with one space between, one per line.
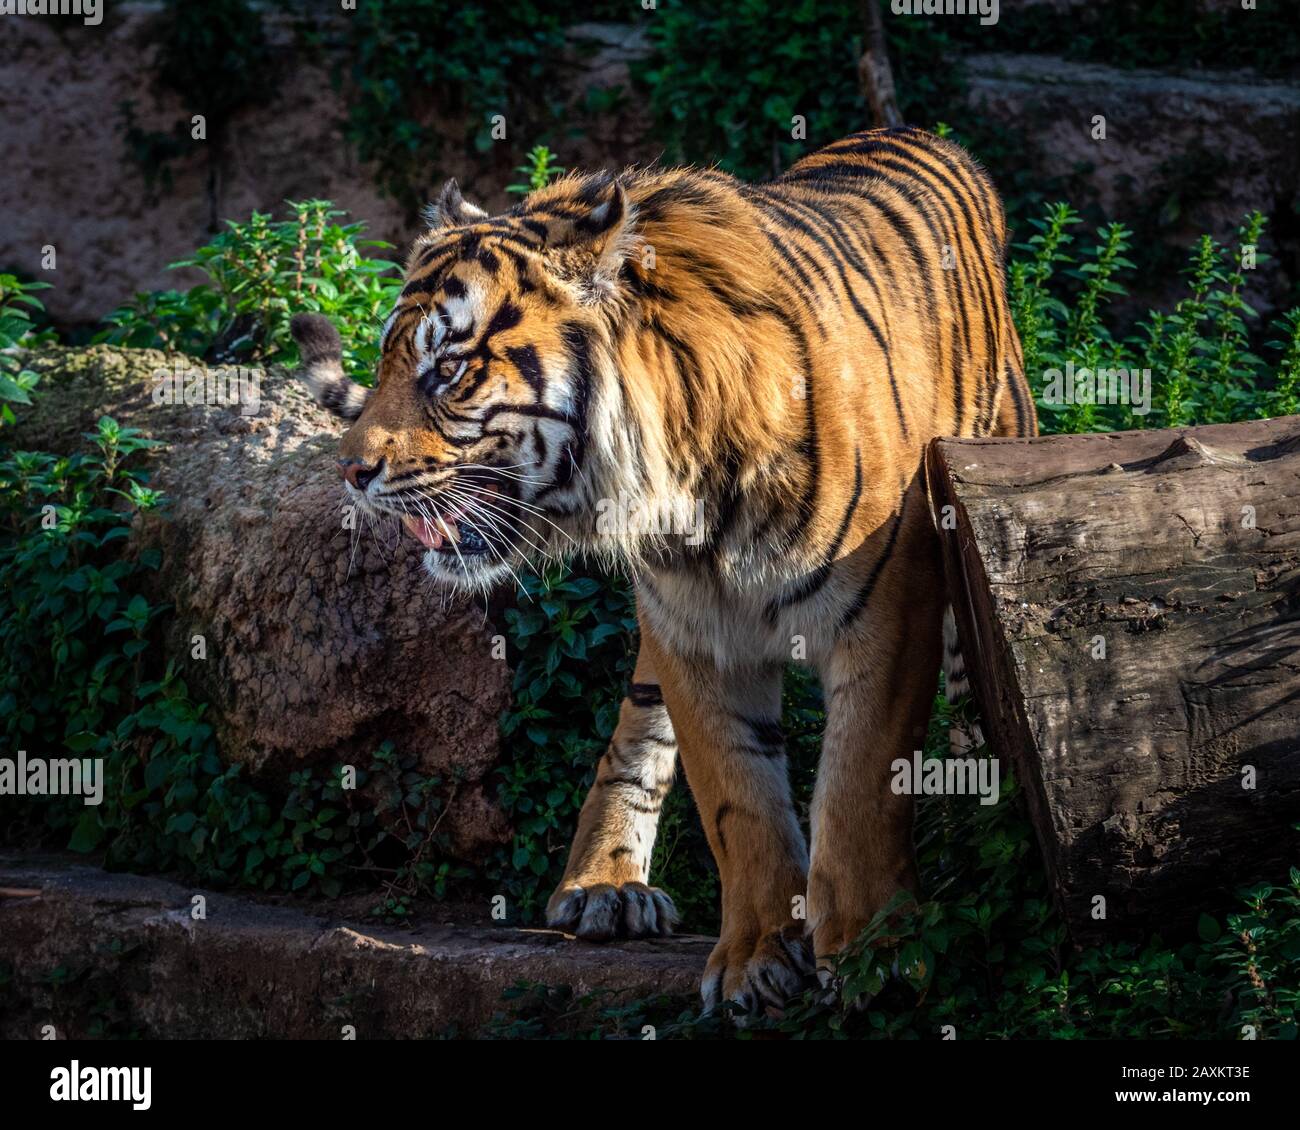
322 366
962 737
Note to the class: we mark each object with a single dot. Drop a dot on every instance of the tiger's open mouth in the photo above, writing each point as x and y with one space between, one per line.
450 533
471 519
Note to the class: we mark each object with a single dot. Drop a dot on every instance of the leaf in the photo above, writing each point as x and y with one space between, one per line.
1208 928
12 390
88 834
182 823
155 772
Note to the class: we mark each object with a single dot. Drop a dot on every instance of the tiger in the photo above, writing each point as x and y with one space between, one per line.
726 390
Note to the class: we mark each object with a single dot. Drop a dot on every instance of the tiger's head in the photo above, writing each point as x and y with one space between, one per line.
476 433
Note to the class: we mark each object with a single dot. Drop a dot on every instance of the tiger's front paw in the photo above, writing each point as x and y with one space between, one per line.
601 912
755 973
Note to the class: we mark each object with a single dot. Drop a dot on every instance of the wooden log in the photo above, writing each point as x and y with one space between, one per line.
1129 607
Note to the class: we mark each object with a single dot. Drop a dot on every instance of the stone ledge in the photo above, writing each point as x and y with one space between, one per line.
254 970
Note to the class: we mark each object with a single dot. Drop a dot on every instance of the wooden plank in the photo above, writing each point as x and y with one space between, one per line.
1129 605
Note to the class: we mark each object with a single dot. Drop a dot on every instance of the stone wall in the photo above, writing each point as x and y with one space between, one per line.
1196 150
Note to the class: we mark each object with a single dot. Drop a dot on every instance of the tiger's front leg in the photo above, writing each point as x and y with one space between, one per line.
728 726
603 894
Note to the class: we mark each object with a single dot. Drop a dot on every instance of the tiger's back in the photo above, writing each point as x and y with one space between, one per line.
917 220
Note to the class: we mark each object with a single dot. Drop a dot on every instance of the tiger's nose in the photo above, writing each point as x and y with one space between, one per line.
357 474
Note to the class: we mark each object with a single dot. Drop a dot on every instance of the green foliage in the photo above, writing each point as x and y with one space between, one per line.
17 332
728 79
1285 397
477 61
1202 367
260 273
571 650
539 170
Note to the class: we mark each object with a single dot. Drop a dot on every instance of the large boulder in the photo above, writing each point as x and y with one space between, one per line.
321 641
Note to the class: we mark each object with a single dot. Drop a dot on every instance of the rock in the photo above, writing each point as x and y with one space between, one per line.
1201 149
114 237
321 643
135 962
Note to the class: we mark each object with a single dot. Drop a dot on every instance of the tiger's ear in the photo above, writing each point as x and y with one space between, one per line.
451 210
589 248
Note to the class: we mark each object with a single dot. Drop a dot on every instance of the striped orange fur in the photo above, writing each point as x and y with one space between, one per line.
727 390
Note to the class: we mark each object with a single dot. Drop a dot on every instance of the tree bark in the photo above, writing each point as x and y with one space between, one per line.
875 75
1129 607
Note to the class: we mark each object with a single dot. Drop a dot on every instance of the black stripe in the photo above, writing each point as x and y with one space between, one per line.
844 252
724 809
958 191
905 233
807 447
1018 400
525 359
863 596
577 340
766 739
818 577
645 694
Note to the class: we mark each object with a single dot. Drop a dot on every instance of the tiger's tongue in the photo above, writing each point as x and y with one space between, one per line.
425 531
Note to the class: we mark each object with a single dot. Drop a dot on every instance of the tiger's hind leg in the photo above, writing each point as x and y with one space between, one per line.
604 892
879 682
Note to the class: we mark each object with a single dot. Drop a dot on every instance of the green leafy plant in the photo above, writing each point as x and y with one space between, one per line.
78 676
1200 357
17 332
539 170
261 272
570 639
491 62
